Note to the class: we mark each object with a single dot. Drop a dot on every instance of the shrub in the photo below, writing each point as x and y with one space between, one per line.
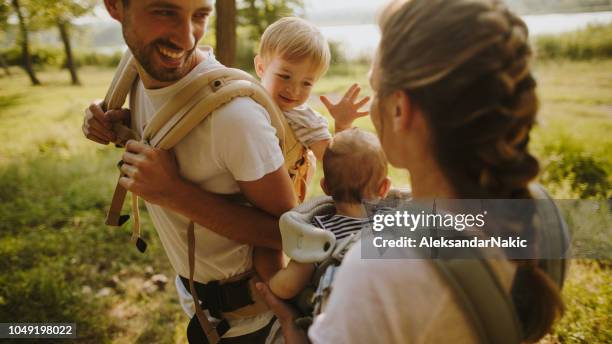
55 57
568 166
593 42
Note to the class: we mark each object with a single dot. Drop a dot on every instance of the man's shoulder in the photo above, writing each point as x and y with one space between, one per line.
240 109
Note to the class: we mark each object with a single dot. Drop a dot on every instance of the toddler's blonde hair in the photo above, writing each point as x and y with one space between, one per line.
295 39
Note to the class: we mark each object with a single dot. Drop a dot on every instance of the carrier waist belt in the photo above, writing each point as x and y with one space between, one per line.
221 298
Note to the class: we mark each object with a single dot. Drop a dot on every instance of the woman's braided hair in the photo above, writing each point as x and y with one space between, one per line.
465 65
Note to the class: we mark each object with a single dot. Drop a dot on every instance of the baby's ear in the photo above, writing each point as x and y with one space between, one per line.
324 187
259 67
385 186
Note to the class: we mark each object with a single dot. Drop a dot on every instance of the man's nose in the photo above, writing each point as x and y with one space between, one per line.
184 36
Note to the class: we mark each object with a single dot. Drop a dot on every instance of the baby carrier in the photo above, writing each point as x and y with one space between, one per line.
487 304
168 126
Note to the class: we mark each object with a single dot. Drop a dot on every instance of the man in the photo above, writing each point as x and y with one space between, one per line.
235 150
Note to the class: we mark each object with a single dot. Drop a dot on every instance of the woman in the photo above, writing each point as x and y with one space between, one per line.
454 104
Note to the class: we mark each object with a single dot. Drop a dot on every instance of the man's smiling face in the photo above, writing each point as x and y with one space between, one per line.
163 34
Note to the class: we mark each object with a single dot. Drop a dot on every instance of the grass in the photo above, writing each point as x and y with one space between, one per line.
57 257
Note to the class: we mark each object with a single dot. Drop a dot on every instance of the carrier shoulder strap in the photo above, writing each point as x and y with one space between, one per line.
554 234
479 291
483 299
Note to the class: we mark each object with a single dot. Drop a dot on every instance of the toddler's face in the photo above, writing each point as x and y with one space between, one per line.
289 83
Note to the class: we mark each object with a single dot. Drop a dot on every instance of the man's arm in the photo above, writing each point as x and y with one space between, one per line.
152 174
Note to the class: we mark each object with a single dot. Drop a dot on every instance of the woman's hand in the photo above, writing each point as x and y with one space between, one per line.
286 315
347 109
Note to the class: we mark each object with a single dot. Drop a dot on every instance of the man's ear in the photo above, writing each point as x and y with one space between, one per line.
115 9
404 111
324 187
385 186
259 67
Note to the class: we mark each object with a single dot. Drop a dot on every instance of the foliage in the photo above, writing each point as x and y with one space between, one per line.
257 15
5 11
54 57
50 12
253 18
569 165
593 42
557 6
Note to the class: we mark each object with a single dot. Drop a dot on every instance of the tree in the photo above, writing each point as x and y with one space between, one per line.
5 10
61 13
25 43
259 14
225 31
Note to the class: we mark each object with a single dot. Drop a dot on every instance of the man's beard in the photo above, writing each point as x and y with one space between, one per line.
145 56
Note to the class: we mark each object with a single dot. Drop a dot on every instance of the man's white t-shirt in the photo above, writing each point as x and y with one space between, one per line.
235 143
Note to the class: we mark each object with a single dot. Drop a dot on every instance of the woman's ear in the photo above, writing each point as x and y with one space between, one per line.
324 187
115 9
402 118
259 67
385 186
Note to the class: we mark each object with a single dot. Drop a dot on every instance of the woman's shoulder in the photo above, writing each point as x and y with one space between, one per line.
411 292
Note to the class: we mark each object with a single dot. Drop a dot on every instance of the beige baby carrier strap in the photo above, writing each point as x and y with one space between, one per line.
169 125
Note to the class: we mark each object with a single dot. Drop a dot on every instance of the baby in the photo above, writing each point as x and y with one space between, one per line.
355 169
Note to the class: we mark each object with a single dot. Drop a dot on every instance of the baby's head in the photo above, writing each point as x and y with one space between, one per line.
355 167
293 55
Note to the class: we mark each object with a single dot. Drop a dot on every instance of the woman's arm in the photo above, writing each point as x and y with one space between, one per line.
286 316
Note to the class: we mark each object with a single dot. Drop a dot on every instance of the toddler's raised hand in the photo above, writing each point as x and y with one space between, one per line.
347 109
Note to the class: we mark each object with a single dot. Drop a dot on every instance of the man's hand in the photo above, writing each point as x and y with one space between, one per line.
347 109
97 125
150 173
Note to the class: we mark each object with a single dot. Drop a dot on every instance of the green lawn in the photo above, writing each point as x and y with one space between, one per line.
56 255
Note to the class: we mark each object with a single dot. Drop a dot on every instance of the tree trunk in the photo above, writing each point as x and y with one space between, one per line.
25 44
226 31
63 29
5 66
